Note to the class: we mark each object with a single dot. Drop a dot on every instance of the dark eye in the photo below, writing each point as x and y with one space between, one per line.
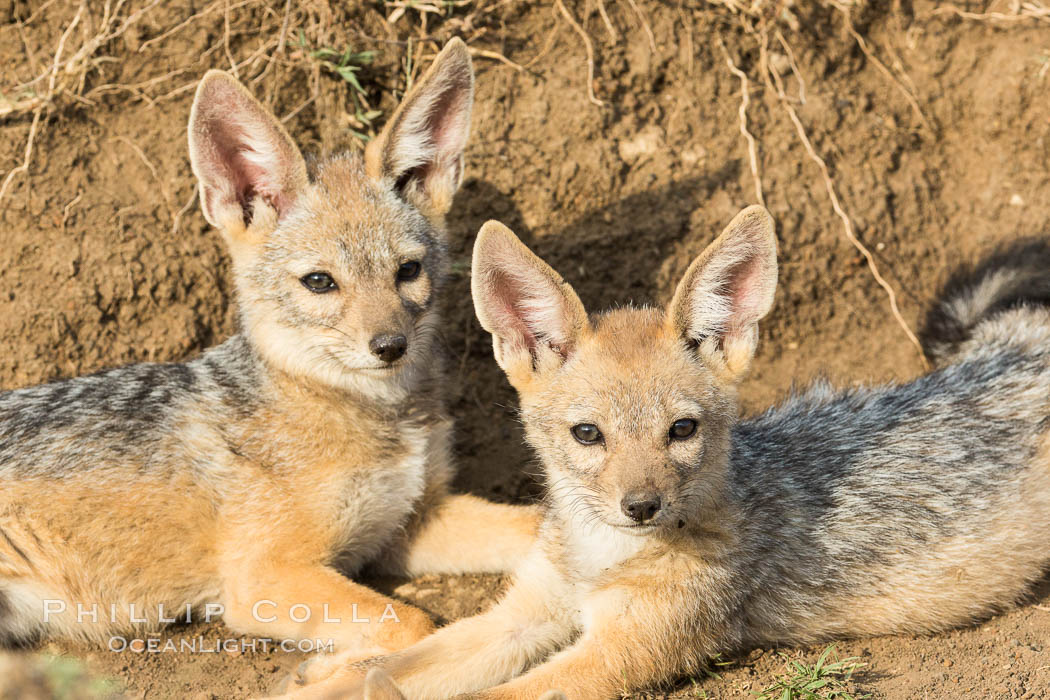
587 433
408 271
682 429
319 282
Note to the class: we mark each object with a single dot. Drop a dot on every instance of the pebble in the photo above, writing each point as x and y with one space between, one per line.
645 142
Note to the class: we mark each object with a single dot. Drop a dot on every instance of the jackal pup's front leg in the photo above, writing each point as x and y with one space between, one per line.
290 600
529 622
630 632
636 633
462 533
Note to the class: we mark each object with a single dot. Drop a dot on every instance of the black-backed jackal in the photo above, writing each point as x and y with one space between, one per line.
313 442
674 532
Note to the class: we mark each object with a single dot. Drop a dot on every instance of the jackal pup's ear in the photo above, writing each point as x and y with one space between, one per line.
726 291
380 686
247 165
421 148
534 316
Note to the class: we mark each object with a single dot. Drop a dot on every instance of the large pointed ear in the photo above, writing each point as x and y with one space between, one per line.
534 316
243 158
727 290
420 151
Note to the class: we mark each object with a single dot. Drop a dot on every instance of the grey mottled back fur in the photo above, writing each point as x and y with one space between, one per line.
122 414
837 483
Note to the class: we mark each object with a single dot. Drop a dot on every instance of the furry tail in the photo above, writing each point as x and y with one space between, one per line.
1012 277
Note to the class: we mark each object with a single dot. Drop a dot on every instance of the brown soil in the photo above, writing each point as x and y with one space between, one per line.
94 272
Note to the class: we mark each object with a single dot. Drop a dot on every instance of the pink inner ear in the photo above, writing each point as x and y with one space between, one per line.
745 292
240 172
433 134
446 123
509 314
254 165
247 156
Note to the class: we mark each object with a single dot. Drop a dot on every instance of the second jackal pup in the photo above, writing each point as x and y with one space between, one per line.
675 532
309 444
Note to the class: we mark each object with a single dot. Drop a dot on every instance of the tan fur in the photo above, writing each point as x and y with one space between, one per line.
269 490
607 598
906 508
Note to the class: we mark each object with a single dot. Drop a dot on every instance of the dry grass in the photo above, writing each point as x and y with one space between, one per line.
267 42
264 43
78 64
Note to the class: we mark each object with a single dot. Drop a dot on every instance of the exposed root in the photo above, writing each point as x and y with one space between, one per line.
27 157
777 87
1023 12
844 11
688 24
495 56
39 11
188 21
301 106
282 42
151 167
226 39
745 100
794 67
645 25
590 51
177 219
66 210
547 44
759 18
613 36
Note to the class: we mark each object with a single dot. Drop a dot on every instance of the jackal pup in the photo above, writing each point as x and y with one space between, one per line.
311 443
674 532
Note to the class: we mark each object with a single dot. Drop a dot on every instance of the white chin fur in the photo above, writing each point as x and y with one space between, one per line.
283 349
594 545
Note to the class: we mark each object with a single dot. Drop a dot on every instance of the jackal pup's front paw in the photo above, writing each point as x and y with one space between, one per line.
305 681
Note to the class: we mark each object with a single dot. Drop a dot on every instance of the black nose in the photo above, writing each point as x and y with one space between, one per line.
388 346
640 506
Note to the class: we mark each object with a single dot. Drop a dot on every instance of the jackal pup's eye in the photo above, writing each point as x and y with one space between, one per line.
587 433
682 429
408 271
318 282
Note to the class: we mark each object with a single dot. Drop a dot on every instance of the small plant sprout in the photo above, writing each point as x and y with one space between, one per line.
345 65
826 679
